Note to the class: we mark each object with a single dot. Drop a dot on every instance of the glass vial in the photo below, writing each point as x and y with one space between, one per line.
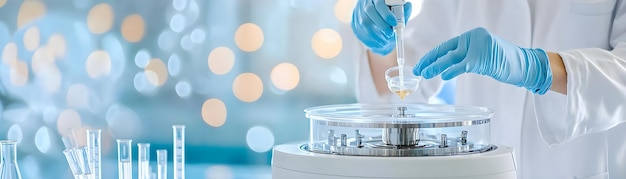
179 151
161 164
93 152
124 158
143 159
8 160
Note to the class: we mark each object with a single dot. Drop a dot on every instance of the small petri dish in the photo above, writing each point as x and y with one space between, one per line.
403 85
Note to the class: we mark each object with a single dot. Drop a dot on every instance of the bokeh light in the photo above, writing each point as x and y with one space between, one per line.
50 78
338 75
214 112
185 43
9 53
98 64
19 73
77 96
326 43
142 85
42 139
166 39
177 23
179 5
173 65
249 37
285 76
197 35
142 58
57 44
343 10
260 139
219 172
221 60
133 28
183 89
15 133
31 38
43 58
156 72
100 18
29 11
248 87
2 2
68 119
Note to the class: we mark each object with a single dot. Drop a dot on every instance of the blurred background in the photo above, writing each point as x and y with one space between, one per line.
237 73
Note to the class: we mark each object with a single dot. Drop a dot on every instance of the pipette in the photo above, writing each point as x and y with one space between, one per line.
397 8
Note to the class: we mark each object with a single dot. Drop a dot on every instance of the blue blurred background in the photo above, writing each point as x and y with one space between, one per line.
237 73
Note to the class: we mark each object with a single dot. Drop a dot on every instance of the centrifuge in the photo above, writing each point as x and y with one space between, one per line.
395 141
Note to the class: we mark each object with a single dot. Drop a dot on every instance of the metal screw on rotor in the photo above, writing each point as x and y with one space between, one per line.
331 137
444 141
359 139
463 137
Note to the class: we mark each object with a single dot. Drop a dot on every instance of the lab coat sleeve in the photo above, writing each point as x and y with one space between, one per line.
596 88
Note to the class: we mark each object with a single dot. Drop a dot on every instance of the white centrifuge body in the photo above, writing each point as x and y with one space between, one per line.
289 161
395 141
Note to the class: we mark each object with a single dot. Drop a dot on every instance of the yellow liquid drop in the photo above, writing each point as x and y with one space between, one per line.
402 93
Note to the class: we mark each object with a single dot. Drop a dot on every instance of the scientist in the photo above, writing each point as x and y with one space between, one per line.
568 55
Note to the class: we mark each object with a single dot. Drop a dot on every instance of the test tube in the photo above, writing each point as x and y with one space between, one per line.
161 164
144 160
93 152
179 151
124 158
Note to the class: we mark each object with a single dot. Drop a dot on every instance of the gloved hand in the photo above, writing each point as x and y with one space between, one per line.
478 51
372 23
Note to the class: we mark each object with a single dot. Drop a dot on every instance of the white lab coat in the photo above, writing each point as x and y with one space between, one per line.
555 136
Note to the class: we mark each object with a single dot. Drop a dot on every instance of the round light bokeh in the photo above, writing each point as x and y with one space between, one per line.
249 37
15 133
221 60
214 112
285 76
133 28
29 11
326 43
68 119
260 139
9 53
31 38
177 23
179 5
19 73
174 65
156 72
142 58
98 64
100 18
42 139
248 87
183 89
343 10
58 45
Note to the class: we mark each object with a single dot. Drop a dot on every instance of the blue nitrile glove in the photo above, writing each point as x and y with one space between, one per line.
478 51
372 23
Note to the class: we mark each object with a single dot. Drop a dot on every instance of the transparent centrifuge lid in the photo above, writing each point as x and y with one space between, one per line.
398 129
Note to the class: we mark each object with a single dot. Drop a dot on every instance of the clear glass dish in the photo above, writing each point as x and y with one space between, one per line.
398 129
